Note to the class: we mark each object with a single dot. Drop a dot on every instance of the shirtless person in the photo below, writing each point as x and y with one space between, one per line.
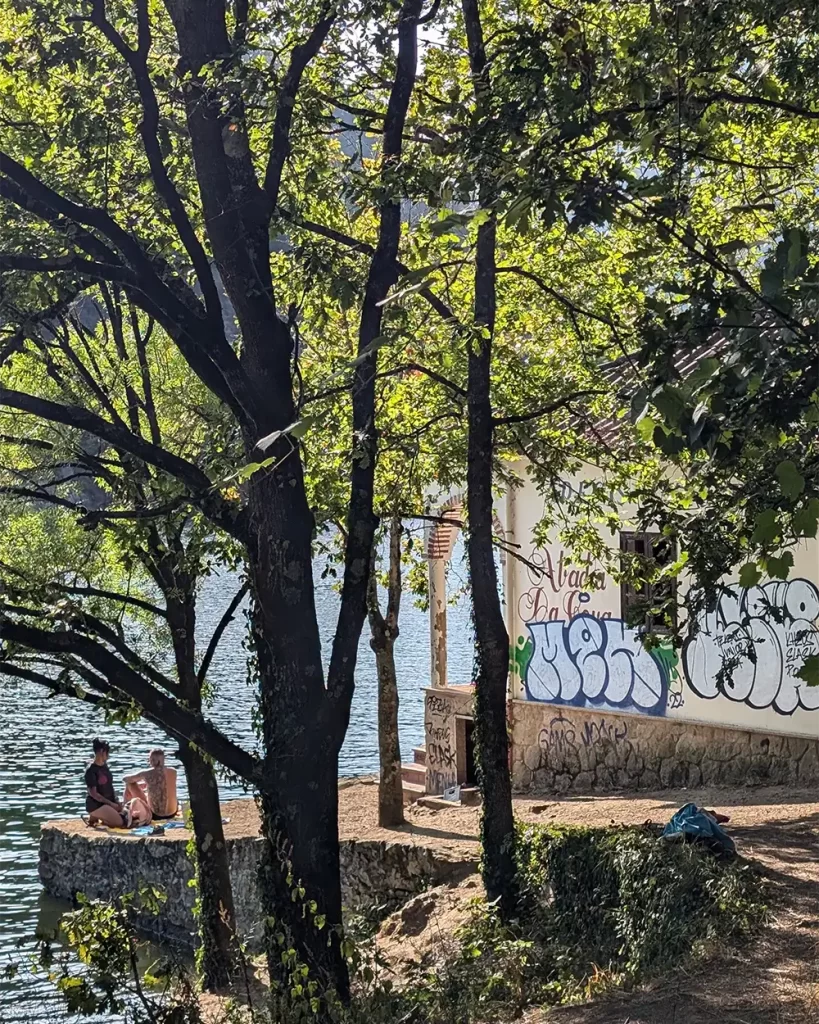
157 784
101 800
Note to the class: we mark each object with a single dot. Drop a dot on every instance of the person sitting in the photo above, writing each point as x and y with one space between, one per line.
156 785
101 798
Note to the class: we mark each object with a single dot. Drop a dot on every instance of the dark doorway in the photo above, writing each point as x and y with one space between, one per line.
467 773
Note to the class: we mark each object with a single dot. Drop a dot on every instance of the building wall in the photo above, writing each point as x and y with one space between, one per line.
568 749
572 649
444 709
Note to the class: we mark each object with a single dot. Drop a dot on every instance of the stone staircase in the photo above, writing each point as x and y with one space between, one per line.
413 775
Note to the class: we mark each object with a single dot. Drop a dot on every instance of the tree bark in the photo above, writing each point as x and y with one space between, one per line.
492 640
217 919
384 632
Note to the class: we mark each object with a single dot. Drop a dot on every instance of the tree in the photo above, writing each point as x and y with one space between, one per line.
70 561
384 630
178 176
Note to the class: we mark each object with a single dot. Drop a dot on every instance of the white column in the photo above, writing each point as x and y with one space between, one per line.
437 621
510 590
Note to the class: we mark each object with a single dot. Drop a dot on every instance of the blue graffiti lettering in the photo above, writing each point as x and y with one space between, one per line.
590 662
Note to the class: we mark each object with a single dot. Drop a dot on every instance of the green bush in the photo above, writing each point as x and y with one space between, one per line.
601 907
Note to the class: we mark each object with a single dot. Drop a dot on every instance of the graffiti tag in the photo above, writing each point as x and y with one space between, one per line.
589 662
559 590
438 706
752 645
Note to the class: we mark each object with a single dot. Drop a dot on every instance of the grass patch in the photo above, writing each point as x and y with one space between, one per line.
602 908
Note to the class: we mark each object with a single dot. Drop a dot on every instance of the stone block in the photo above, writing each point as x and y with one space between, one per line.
808 765
532 757
690 747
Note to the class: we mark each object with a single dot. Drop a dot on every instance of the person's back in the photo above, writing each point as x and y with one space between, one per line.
159 784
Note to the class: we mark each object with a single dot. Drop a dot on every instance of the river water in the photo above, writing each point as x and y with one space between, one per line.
45 745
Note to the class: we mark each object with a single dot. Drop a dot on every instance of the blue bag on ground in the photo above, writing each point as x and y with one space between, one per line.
690 823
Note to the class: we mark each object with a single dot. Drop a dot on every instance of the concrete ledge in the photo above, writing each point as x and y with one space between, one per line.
101 865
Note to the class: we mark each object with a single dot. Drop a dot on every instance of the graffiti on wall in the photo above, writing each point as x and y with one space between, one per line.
752 645
442 771
558 589
596 663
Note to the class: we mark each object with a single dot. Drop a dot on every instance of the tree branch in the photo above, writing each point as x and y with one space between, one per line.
137 61
203 492
544 410
300 57
361 519
167 713
223 624
110 595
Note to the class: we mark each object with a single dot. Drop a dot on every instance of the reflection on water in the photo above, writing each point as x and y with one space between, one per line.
44 746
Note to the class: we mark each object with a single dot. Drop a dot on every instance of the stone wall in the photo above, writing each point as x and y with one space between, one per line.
563 749
75 859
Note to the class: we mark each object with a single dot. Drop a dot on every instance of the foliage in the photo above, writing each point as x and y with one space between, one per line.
606 908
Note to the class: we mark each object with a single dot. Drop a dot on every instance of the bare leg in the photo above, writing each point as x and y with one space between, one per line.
107 815
140 812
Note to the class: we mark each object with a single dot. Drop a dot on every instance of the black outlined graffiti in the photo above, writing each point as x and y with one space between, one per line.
438 705
590 662
750 648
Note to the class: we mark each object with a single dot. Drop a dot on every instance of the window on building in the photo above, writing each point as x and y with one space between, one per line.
650 605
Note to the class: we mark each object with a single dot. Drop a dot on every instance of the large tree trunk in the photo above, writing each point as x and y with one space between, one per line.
492 640
300 878
299 792
384 632
217 920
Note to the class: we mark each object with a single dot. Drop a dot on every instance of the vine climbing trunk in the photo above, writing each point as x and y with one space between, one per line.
491 638
217 917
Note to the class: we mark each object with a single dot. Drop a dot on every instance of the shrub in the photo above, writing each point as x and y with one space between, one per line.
601 908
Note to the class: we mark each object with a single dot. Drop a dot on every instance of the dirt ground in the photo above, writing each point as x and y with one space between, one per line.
774 979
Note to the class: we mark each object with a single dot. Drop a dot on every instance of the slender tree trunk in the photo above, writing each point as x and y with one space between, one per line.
384 632
217 921
217 918
492 640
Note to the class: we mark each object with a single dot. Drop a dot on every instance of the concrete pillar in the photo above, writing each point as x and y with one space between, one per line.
437 621
510 590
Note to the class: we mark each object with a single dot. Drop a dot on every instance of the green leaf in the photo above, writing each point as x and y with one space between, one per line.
749 575
771 279
645 428
778 567
809 672
766 528
670 403
791 481
806 519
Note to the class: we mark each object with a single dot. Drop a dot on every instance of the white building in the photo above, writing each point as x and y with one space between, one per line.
591 708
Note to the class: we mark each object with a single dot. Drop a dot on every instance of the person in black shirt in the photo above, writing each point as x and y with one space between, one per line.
101 801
